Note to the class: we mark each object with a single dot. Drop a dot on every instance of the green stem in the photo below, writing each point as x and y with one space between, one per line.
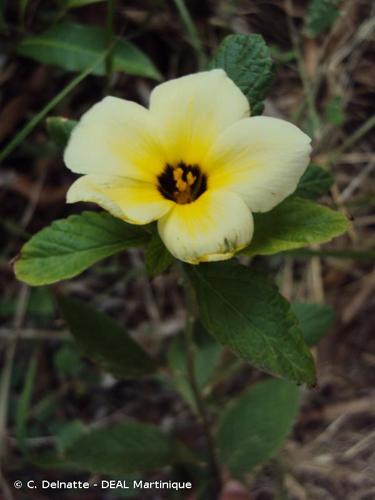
198 398
38 117
110 43
192 32
310 98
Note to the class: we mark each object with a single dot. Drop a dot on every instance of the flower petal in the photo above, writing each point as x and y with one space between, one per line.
261 159
128 199
116 137
213 227
191 111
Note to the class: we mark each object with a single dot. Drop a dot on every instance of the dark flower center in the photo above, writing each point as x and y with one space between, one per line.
182 183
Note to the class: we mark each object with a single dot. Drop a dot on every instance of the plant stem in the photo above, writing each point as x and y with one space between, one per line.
191 31
110 44
309 94
25 131
38 117
198 398
6 374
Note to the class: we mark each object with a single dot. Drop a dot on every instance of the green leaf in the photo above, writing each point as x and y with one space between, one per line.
321 14
59 129
294 223
68 433
244 311
315 182
315 320
75 47
157 257
67 360
247 61
104 341
255 426
69 246
335 111
125 448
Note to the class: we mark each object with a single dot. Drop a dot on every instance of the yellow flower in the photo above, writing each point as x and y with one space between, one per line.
194 161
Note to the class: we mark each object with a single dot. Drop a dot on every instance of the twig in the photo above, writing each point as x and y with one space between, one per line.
356 182
365 291
352 139
360 446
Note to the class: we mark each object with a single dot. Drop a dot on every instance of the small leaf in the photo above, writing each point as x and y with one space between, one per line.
247 61
59 129
104 341
335 111
315 320
125 448
294 223
315 182
255 426
244 311
75 47
67 360
157 257
69 246
321 14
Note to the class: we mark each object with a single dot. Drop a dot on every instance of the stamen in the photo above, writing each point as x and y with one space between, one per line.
177 176
190 178
182 183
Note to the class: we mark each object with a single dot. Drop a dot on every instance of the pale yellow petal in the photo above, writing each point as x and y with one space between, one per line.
261 159
191 111
134 201
116 137
214 227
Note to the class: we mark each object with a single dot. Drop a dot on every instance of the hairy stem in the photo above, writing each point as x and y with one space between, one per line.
192 32
110 43
25 131
309 94
198 398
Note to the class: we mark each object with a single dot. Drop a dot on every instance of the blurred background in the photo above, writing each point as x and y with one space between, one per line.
323 52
